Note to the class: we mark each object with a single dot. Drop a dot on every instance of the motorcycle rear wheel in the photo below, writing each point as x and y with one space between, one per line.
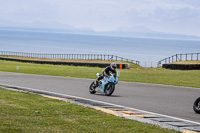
109 89
92 88
196 105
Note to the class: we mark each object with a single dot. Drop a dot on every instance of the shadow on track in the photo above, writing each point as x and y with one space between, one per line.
101 94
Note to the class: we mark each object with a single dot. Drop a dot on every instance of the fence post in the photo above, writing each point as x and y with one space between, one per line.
186 57
191 56
181 57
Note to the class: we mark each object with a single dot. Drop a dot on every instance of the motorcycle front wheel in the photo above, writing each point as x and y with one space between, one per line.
196 105
109 89
92 88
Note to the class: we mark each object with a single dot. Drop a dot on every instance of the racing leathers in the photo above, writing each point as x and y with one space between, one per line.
106 73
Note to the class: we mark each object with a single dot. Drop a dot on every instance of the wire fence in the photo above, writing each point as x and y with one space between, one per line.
179 57
69 56
148 64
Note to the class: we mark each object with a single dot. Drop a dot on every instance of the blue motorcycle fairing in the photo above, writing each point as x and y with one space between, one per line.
107 80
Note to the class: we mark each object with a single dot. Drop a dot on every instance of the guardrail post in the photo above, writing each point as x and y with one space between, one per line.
186 57
181 57
192 56
138 62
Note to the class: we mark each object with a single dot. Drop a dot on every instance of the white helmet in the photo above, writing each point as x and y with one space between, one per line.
113 65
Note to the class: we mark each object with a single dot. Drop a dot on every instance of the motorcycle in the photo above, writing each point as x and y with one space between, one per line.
196 105
105 85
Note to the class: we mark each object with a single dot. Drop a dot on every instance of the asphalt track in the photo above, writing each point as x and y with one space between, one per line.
163 99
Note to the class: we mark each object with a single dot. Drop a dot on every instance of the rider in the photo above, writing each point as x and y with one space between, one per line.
107 71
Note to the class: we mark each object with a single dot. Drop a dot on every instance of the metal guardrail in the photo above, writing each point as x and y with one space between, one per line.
91 64
69 56
179 57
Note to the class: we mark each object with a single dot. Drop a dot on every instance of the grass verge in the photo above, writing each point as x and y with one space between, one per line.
189 78
132 65
187 62
25 112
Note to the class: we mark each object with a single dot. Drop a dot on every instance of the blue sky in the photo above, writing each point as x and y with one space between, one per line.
170 16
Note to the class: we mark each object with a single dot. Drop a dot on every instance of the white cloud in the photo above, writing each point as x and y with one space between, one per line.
108 14
176 17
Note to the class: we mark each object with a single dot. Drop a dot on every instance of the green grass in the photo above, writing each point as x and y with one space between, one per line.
189 78
24 112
